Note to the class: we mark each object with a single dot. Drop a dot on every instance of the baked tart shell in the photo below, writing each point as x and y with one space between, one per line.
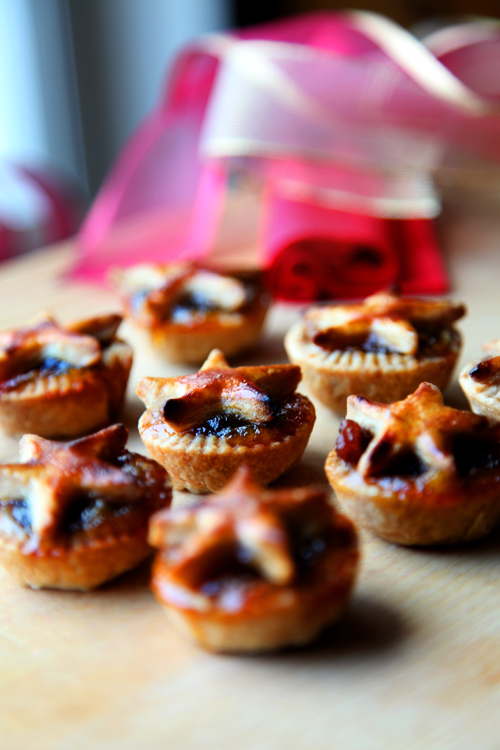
71 404
80 568
275 618
333 376
191 344
408 513
202 464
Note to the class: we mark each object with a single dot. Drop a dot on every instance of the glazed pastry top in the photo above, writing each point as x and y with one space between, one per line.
184 293
46 348
53 476
219 394
417 440
384 322
226 544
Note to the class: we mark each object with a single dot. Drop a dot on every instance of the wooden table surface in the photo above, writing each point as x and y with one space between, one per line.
415 662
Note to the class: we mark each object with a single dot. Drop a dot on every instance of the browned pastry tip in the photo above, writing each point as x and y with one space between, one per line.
187 310
480 382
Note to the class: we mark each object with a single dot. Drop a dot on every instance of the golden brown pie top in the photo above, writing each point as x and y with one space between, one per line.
46 348
52 476
384 322
219 399
184 293
418 439
228 544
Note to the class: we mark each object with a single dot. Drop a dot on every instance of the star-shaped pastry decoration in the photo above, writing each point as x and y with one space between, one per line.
254 522
420 426
51 475
157 288
45 343
383 321
248 393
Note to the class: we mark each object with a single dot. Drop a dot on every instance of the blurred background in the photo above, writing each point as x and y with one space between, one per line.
77 76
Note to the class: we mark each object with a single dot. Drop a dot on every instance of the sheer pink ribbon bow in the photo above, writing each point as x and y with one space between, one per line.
344 116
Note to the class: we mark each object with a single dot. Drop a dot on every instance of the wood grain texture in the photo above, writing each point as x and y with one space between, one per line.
415 663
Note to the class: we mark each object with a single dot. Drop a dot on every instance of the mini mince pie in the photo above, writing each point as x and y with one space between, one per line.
188 310
201 427
416 471
481 382
382 349
60 381
74 515
254 570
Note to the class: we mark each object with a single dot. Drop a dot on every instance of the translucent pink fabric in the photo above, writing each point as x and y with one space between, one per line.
340 114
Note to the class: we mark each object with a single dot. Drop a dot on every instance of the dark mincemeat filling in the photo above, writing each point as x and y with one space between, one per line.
232 566
472 454
20 513
405 463
85 515
187 304
352 441
227 426
235 429
45 368
229 566
430 338
82 514
53 366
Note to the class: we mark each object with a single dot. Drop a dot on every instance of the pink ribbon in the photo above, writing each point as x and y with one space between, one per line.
313 252
344 116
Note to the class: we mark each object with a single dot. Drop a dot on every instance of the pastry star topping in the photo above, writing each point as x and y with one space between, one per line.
244 517
45 343
162 286
388 320
51 475
245 392
420 426
28 348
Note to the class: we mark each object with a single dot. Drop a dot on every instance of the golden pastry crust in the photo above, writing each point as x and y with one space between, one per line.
253 570
481 382
188 310
62 382
75 515
381 349
202 427
417 472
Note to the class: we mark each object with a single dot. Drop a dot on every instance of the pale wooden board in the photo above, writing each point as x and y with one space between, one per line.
415 663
